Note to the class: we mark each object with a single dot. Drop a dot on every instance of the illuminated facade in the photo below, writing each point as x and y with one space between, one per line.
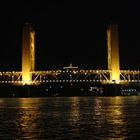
28 53
113 52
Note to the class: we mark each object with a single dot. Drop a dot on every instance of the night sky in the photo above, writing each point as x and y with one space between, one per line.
69 31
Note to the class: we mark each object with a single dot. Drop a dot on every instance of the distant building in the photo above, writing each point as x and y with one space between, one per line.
113 52
70 67
28 52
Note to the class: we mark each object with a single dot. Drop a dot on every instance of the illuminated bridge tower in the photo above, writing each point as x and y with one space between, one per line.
28 53
113 52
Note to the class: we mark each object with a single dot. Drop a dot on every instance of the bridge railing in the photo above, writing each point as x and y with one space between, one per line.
51 76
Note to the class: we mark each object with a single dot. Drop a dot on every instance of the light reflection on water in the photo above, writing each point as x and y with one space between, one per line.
70 118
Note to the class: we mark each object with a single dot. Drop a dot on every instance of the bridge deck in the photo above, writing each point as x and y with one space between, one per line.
51 76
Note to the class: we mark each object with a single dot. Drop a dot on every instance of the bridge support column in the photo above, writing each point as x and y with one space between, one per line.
28 53
113 53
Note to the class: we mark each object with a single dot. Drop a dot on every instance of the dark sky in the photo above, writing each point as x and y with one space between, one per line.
69 31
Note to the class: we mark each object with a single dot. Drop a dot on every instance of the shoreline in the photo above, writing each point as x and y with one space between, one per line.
67 90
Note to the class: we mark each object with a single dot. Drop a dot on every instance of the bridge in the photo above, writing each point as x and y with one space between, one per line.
62 76
70 74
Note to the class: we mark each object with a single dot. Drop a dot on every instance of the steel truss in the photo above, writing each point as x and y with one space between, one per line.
130 75
52 76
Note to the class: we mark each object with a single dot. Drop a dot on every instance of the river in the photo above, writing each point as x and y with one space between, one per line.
58 118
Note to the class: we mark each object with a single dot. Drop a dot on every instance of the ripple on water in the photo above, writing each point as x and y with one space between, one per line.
70 118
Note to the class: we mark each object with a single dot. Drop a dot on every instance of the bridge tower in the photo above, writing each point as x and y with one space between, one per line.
113 52
28 53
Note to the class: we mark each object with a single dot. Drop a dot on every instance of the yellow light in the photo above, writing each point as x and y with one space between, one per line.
113 53
28 54
115 76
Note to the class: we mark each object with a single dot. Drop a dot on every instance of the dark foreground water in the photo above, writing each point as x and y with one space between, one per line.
70 118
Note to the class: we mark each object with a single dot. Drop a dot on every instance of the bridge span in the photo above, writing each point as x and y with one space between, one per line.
71 76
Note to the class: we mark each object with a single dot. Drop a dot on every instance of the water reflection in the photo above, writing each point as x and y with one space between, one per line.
81 118
56 113
115 119
74 111
27 118
98 117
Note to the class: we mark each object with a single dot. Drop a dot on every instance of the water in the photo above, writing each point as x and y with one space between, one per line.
70 118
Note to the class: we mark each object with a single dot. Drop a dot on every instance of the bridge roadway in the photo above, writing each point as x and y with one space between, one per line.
67 76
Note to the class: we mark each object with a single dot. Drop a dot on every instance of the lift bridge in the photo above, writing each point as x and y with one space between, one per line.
70 74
